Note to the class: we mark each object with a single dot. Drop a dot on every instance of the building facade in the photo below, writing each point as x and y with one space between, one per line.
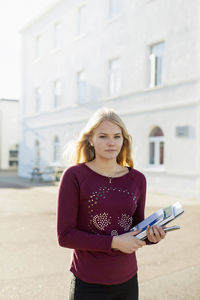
140 58
9 133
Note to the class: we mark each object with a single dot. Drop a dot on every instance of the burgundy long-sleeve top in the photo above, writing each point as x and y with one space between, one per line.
92 209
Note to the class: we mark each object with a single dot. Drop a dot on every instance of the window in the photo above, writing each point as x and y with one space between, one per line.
115 8
114 77
37 153
37 99
56 149
156 59
57 36
156 147
82 20
82 87
57 93
13 156
37 46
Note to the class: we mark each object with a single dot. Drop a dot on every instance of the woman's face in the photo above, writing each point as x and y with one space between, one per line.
107 140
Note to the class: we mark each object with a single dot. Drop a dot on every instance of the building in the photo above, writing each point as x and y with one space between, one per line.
9 133
141 58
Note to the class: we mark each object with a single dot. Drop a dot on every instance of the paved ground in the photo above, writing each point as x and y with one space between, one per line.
33 266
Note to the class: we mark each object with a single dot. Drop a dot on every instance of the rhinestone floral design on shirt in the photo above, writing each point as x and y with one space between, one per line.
125 221
114 233
102 220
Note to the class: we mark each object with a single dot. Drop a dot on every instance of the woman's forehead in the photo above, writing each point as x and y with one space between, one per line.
108 127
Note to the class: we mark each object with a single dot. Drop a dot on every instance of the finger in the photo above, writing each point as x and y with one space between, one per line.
151 236
155 231
140 243
138 246
156 234
136 232
162 232
149 230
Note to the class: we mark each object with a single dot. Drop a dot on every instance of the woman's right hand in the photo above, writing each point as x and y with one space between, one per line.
127 242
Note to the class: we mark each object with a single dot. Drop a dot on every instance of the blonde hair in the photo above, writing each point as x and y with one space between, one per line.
81 151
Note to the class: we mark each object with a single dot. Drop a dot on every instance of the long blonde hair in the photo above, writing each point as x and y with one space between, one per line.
81 151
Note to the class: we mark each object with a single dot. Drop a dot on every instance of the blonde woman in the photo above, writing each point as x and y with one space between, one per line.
101 196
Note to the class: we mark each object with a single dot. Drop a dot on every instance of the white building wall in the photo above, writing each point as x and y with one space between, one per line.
9 130
129 38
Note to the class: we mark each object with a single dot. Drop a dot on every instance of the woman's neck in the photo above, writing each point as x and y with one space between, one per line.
105 167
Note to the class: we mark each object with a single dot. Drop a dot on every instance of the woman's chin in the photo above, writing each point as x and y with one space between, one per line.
109 155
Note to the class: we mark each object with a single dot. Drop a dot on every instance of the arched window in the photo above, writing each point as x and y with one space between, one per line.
56 149
37 153
156 147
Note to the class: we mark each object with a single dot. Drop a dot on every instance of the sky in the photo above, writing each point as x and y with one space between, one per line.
14 15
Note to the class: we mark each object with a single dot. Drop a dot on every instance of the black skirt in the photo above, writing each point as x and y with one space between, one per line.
80 290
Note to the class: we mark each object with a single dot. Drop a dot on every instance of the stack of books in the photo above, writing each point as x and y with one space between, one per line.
159 218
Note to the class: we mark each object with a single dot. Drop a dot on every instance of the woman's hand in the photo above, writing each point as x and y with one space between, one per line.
155 234
127 242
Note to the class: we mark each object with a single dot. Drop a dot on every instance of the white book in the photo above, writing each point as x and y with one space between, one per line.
160 217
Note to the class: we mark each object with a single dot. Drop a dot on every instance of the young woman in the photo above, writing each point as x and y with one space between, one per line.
100 198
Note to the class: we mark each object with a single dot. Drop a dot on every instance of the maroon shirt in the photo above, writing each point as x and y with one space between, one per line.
92 209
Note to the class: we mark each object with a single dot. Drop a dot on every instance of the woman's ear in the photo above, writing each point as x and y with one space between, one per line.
90 141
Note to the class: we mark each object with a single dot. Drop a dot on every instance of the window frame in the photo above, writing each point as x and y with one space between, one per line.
81 98
37 46
37 97
114 80
57 96
156 140
56 149
37 154
156 65
113 13
82 30
57 36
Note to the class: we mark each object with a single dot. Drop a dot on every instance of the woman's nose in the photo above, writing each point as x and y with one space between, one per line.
111 141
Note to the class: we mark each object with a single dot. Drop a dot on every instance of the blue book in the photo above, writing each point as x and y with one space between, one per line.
160 218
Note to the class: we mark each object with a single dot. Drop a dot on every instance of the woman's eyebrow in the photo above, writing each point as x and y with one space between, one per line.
106 133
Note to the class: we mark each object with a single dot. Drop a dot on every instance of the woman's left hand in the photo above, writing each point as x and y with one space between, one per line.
155 234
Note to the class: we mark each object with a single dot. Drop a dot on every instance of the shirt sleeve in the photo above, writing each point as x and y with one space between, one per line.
68 234
139 212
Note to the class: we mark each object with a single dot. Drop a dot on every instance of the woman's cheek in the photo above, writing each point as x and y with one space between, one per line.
100 145
120 144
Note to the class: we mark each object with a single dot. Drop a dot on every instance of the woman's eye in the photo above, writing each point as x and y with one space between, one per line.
116 137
